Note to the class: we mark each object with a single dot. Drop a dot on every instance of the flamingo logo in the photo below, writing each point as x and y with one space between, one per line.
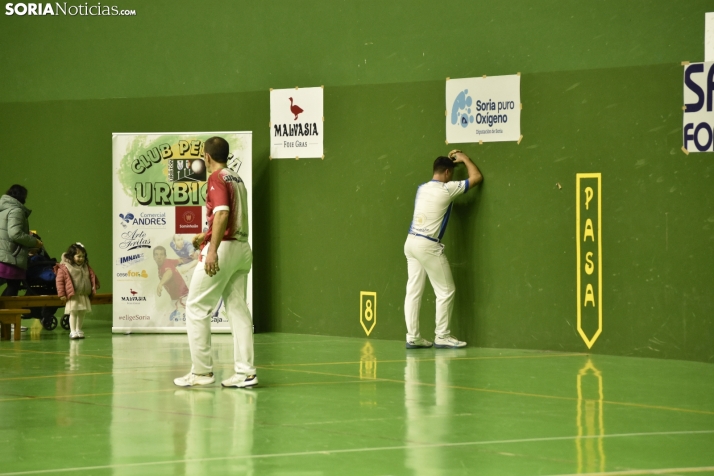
133 293
295 109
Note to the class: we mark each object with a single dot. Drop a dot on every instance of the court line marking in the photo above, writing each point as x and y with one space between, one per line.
159 390
456 387
89 374
27 351
384 448
382 361
629 472
504 392
272 366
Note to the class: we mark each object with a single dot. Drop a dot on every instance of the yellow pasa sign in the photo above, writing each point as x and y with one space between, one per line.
368 310
589 255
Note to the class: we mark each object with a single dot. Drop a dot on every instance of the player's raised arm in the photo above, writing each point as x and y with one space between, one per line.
475 176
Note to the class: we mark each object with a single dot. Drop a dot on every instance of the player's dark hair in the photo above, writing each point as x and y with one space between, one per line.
75 248
217 148
158 248
18 192
441 164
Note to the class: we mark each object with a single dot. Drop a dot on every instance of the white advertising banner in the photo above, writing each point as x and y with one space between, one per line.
484 109
296 123
698 117
159 193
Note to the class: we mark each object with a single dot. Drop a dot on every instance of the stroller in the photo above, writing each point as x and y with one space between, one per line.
40 280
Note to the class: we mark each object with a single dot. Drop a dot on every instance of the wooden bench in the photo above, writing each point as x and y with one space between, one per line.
18 305
17 302
9 317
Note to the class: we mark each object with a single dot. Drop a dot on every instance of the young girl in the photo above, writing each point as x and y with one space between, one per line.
76 283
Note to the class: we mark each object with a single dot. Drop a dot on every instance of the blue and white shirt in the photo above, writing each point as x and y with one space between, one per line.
432 207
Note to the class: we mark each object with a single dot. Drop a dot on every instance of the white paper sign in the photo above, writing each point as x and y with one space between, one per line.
698 117
483 109
296 123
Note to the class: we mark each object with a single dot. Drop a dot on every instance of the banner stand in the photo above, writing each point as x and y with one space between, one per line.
159 193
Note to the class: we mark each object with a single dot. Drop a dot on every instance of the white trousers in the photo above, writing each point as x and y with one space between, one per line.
425 257
234 260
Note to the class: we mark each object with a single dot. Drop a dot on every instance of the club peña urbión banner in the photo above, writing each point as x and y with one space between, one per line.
158 207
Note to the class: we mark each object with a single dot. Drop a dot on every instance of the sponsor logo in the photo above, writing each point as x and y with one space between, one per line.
134 317
295 109
145 220
186 170
188 220
296 129
483 109
133 297
126 219
132 240
461 110
698 119
132 259
177 316
130 274
488 112
419 219
232 179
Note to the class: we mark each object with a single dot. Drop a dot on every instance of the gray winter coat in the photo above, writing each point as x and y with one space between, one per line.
15 238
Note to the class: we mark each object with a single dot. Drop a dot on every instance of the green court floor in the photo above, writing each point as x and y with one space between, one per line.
330 405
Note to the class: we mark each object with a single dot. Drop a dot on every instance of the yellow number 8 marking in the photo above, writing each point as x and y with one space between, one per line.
368 311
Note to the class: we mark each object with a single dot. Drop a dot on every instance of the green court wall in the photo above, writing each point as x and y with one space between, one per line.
601 87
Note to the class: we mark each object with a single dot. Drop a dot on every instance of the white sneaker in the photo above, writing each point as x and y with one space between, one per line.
241 381
74 335
448 342
80 334
419 343
191 379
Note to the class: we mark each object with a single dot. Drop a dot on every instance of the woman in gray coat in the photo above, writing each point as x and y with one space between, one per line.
15 238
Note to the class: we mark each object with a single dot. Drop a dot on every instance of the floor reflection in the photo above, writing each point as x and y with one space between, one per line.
153 420
428 402
71 362
35 328
368 371
198 438
590 420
